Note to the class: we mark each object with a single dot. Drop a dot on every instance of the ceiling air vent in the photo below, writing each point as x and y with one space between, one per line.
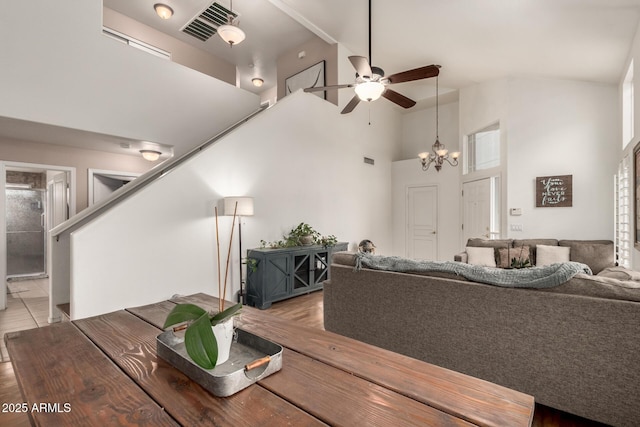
205 25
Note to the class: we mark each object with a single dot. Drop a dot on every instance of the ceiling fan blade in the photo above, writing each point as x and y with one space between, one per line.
351 105
399 99
361 64
415 74
318 89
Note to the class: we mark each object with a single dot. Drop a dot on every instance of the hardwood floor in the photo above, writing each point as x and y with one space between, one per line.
307 310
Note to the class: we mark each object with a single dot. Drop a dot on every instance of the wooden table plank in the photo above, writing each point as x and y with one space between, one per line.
59 366
477 401
341 399
131 343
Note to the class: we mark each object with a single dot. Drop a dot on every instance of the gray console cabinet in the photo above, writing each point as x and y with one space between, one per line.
287 272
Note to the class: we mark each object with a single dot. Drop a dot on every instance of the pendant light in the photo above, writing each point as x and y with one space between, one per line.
230 33
440 153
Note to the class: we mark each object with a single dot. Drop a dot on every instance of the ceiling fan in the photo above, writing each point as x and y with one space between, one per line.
371 84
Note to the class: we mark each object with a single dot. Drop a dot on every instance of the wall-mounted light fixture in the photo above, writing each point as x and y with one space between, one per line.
150 155
163 11
257 81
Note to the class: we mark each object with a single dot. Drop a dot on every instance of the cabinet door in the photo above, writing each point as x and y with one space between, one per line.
320 267
302 272
276 278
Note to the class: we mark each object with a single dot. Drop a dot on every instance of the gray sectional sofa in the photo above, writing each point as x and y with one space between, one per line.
574 347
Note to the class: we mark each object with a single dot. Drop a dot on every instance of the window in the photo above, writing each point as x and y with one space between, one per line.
622 214
123 38
483 149
627 107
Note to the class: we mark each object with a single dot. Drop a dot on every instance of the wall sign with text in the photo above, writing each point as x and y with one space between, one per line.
554 191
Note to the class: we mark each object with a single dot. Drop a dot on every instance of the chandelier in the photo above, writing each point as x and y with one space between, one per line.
440 153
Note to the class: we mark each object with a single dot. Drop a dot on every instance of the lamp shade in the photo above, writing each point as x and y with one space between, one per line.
369 91
231 34
245 206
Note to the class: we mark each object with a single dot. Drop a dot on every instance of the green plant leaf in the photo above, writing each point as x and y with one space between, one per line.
201 344
182 313
225 314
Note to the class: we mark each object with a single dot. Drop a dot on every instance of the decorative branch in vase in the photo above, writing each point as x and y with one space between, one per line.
208 335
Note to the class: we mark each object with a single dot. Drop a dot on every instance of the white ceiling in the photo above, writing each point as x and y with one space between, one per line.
473 40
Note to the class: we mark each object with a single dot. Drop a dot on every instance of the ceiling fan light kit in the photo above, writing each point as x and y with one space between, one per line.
371 84
369 91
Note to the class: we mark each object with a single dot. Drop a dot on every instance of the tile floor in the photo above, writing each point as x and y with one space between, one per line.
27 308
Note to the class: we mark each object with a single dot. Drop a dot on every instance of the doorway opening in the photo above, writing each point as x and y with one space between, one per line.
33 199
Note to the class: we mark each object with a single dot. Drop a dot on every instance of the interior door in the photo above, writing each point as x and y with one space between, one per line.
58 200
477 202
422 222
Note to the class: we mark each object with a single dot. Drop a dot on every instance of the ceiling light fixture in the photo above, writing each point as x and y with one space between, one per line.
150 155
229 32
369 90
163 11
257 81
440 153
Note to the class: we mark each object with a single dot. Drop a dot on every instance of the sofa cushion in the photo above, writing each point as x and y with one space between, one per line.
597 254
505 255
599 287
620 273
547 255
481 256
532 243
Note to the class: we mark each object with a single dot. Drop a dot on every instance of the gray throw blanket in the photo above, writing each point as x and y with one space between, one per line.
534 277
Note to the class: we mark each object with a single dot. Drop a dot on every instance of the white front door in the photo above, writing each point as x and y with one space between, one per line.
422 222
477 202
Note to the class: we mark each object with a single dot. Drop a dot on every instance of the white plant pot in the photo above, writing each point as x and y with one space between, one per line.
223 332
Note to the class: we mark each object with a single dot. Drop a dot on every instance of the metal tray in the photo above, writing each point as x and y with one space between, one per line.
231 376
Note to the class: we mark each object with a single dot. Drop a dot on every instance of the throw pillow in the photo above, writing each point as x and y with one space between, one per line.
505 256
547 255
481 256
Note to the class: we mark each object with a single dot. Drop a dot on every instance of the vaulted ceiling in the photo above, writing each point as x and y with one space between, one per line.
474 40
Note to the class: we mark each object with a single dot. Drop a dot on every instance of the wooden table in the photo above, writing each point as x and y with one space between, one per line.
104 371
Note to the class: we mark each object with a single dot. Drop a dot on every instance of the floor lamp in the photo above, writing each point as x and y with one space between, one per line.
245 208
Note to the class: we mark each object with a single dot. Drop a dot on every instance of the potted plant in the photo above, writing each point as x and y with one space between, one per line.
206 333
304 234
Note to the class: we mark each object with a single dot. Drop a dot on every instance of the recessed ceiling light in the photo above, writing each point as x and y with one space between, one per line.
163 11
257 82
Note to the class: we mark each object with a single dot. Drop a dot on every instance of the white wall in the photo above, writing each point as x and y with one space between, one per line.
419 129
559 127
300 160
551 127
63 71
